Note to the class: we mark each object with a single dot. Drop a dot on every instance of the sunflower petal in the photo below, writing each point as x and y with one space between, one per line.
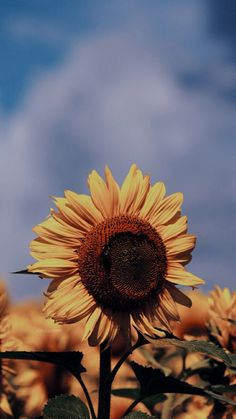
153 200
178 296
100 194
91 322
181 244
53 268
114 192
84 207
168 207
182 277
168 306
101 329
171 231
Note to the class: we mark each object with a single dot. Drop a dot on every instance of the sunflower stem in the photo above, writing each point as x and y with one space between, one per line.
132 405
122 360
86 393
104 399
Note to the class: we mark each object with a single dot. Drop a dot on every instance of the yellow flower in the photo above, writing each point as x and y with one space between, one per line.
37 381
193 320
6 344
115 257
222 307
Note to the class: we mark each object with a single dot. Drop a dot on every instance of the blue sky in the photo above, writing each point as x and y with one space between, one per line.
84 84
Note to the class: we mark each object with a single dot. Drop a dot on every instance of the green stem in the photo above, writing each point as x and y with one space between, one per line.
104 399
85 390
121 361
133 404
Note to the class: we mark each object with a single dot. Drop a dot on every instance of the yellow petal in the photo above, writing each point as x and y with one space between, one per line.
53 268
178 296
168 207
84 207
182 277
180 244
99 193
101 330
69 216
52 227
41 250
143 324
114 192
168 306
172 230
61 283
91 322
144 186
68 307
129 190
153 200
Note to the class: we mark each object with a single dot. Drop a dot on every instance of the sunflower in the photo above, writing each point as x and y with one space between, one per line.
222 316
7 343
36 381
115 257
193 320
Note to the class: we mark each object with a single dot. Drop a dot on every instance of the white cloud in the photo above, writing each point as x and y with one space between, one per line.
113 100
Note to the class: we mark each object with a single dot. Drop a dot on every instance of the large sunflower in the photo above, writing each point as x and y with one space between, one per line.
115 257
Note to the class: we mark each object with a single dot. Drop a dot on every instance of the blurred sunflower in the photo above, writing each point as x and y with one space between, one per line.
193 320
222 317
7 343
115 257
38 381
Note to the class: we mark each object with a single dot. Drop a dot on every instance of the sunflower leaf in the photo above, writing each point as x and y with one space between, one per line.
25 272
70 360
134 393
208 348
219 397
153 362
153 381
128 393
233 359
224 388
64 407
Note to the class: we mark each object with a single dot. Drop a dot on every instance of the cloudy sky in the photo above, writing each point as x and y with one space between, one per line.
84 84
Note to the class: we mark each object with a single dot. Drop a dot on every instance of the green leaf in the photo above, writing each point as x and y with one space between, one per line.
134 393
233 360
208 348
213 373
153 381
128 393
138 415
26 272
64 407
224 388
70 360
153 362
219 397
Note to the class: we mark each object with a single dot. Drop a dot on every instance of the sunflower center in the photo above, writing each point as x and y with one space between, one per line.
130 263
122 262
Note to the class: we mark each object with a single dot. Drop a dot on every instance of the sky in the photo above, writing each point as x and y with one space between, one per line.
85 84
